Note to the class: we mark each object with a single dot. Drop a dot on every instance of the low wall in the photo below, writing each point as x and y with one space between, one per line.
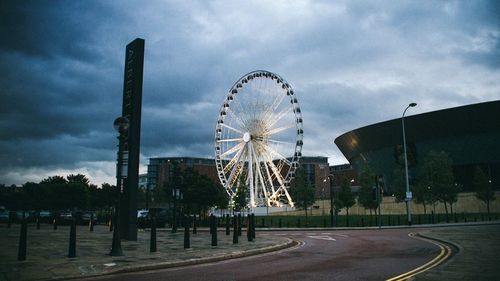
467 202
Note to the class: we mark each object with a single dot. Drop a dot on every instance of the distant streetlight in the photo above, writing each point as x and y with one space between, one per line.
330 181
408 193
121 125
176 195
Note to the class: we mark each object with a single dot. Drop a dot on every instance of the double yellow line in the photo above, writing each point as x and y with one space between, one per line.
444 254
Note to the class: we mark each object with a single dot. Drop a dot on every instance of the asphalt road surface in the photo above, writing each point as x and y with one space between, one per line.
320 255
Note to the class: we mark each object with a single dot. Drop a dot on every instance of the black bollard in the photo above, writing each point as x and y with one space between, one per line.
249 228
228 229
152 240
195 222
37 222
54 223
110 223
21 253
253 227
9 222
187 242
239 224
214 231
72 240
263 222
235 229
91 222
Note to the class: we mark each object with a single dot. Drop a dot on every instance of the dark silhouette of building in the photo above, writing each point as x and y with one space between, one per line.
469 134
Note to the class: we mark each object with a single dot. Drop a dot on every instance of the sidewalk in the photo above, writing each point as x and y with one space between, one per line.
47 251
478 257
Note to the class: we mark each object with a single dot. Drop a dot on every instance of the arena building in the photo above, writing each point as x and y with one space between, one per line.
469 134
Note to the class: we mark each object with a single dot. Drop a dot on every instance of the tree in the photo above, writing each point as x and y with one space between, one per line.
423 194
54 180
366 192
301 191
437 174
241 197
483 188
345 196
200 193
78 178
399 184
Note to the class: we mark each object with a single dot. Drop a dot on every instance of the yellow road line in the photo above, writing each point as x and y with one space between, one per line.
444 254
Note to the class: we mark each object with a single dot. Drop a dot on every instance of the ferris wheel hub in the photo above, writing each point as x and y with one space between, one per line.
246 137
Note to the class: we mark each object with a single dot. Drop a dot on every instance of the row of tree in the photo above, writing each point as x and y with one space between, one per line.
199 193
433 184
58 193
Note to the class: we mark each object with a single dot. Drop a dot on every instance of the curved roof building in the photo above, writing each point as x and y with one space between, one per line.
469 134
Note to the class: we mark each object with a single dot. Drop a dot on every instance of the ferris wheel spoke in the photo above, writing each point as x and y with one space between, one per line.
232 150
280 115
276 173
231 140
269 177
275 153
235 169
233 129
280 142
274 105
235 117
280 129
233 161
260 178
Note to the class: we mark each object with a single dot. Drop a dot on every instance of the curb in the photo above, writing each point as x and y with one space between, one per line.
494 222
165 265
458 248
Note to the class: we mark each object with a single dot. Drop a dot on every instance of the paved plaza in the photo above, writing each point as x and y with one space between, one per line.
47 251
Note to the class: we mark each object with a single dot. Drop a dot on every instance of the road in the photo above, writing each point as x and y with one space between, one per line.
320 255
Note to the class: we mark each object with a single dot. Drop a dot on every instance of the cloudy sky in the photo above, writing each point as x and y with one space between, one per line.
351 63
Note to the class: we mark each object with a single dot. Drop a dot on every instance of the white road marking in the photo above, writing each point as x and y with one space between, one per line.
325 237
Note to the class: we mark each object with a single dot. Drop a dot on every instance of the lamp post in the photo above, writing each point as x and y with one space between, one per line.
330 180
408 193
121 125
176 195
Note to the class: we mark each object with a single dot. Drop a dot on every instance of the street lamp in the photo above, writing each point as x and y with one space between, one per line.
330 180
176 195
121 125
408 193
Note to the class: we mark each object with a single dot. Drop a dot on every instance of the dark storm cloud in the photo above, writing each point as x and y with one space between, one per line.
351 63
51 29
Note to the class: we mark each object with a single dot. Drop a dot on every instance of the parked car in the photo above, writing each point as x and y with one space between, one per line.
45 216
65 218
4 216
87 216
162 216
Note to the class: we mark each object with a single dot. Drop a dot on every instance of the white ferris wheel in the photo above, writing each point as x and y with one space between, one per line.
259 138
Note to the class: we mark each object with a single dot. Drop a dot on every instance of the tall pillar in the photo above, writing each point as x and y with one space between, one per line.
131 109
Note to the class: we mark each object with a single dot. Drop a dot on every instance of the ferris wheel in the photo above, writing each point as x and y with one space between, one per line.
259 138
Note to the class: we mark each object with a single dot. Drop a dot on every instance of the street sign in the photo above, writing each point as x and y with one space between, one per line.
408 195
